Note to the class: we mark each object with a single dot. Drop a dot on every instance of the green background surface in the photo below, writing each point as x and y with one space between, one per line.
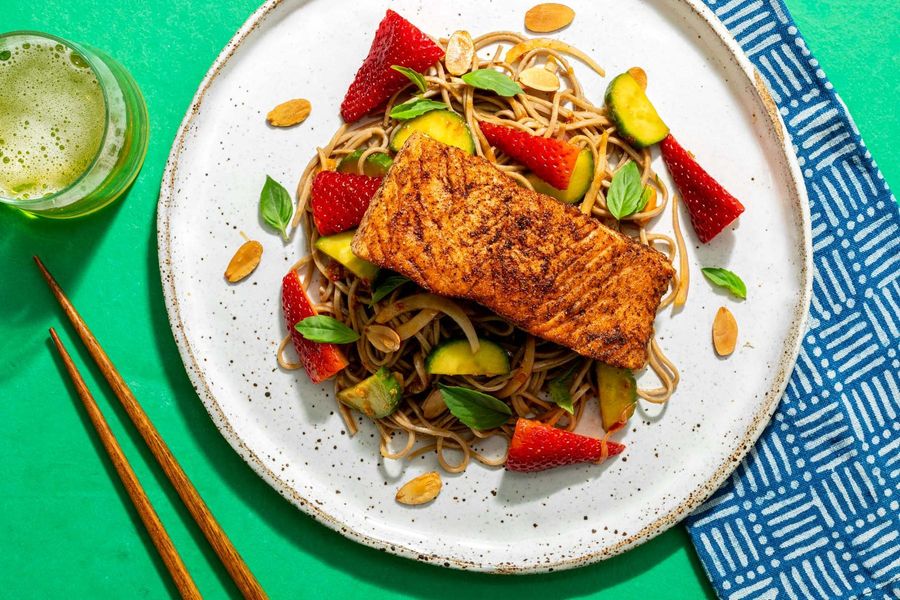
66 527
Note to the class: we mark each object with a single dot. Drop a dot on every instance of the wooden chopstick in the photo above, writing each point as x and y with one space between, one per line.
238 570
150 519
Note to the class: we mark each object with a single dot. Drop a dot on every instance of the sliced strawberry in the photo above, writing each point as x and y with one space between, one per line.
397 42
551 160
711 207
321 361
339 200
536 446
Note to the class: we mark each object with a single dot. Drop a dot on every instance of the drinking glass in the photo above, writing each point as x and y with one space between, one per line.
73 126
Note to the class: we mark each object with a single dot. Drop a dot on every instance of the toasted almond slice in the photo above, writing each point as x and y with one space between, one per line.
640 76
540 79
290 113
548 17
420 490
244 261
725 332
460 52
552 64
383 337
434 405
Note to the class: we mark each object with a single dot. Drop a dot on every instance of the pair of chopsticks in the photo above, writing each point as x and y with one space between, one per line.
234 564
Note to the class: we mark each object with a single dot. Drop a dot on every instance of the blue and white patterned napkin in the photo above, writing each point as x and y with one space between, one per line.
812 512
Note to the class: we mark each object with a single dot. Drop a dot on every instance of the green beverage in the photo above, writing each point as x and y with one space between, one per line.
73 126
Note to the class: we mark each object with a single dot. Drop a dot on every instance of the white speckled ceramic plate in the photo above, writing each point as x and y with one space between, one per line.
286 428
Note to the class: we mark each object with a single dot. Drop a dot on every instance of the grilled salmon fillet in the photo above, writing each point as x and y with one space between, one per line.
458 226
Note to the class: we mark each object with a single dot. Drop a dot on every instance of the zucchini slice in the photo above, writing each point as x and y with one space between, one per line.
455 357
631 111
338 247
375 396
579 183
376 164
442 125
618 395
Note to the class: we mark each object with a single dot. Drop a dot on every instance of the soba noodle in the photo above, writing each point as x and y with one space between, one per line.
422 320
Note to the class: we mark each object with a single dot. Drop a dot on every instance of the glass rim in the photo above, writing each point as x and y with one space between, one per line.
90 58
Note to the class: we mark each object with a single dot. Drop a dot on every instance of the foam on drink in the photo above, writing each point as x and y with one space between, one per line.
52 117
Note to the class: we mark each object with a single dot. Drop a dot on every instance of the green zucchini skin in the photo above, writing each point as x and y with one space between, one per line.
376 396
376 164
633 113
445 126
455 357
579 183
337 246
618 395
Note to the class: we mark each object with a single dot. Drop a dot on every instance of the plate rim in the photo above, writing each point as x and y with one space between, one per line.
798 199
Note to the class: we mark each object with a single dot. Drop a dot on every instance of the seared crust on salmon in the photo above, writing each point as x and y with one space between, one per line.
458 226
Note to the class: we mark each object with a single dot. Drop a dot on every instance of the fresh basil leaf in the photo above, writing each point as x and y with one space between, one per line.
625 192
495 81
475 409
726 279
387 285
415 107
559 390
413 76
275 206
325 329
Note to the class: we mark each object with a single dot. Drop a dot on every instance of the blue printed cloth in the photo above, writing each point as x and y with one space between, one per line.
812 512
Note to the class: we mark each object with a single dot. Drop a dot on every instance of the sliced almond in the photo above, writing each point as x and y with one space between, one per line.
290 113
640 76
460 52
434 405
383 338
549 16
420 490
552 64
540 79
244 261
725 331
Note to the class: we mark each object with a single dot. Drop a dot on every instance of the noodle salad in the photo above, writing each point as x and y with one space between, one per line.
439 374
